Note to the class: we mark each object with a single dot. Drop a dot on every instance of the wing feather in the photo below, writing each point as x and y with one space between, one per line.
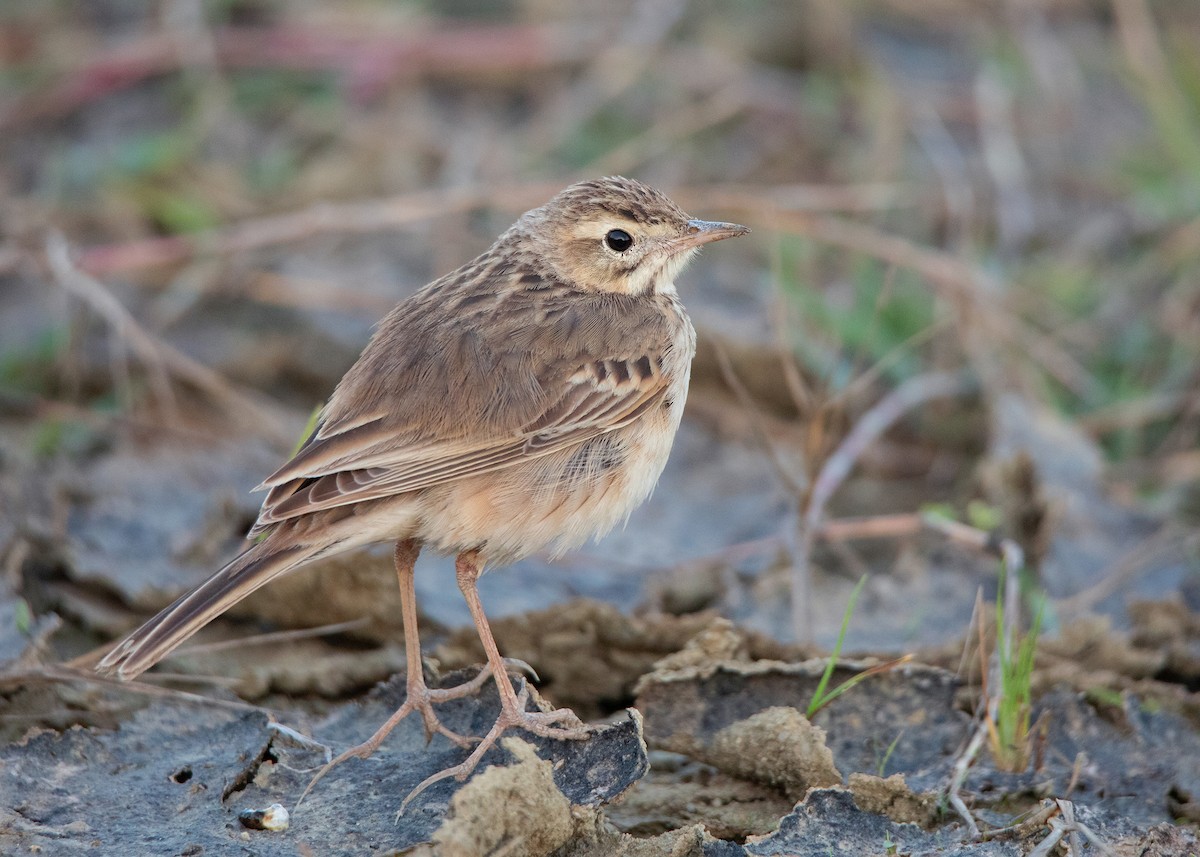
360 464
552 383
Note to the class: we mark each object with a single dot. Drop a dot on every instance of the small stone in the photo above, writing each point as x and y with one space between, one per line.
275 818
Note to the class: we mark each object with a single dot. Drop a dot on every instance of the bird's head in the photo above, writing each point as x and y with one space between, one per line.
619 235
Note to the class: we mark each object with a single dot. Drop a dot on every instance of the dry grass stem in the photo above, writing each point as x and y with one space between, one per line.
959 282
161 360
868 428
782 470
408 209
369 60
273 638
1030 822
899 525
361 216
1128 567
962 765
63 673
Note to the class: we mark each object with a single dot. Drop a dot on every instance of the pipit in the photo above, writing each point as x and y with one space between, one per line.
527 400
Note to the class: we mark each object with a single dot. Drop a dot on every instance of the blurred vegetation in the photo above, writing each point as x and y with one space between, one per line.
206 204
1053 147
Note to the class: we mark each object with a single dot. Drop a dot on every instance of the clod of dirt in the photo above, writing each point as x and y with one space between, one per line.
515 809
1169 626
719 642
904 719
1092 646
692 841
777 747
154 787
892 797
134 534
588 654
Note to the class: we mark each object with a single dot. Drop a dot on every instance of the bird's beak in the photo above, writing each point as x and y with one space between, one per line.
703 231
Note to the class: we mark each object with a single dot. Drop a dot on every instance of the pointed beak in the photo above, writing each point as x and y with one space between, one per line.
703 231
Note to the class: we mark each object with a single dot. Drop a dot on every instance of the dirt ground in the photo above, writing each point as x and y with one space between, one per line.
963 338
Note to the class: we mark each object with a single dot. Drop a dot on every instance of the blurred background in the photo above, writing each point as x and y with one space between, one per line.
971 295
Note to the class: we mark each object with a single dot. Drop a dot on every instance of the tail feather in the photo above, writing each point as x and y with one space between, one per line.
161 635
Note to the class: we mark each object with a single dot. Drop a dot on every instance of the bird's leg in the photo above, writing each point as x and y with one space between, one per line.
512 704
418 696
512 711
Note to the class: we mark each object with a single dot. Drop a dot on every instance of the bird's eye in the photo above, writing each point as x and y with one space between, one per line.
618 240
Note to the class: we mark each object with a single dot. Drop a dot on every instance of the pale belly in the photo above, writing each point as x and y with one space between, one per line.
555 502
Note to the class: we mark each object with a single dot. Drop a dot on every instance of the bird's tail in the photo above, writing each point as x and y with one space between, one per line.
160 636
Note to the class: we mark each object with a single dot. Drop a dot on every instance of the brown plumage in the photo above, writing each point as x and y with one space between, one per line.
527 400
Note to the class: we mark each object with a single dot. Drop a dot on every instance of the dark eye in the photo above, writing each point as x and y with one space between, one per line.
618 240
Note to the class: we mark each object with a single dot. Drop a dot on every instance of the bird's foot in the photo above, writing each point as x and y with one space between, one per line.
419 698
541 723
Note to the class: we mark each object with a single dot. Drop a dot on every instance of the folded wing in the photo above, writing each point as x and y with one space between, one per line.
370 460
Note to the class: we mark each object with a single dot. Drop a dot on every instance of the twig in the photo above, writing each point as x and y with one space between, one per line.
406 209
1076 772
747 401
622 59
946 157
160 359
1043 849
1068 817
976 622
1030 822
272 638
958 280
961 766
160 677
1092 836
862 197
124 327
869 427
672 130
871 527
1007 550
1127 567
370 60
37 644
323 218
63 673
1069 826
737 552
1001 548
864 379
1133 413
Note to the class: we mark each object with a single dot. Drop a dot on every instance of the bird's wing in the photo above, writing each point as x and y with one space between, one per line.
459 381
365 461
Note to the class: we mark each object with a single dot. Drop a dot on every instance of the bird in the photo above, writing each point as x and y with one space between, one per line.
525 402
